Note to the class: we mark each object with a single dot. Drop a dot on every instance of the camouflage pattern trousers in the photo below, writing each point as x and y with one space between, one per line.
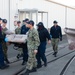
31 60
55 42
5 49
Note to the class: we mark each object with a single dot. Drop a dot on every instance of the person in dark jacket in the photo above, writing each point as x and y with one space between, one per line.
2 64
24 30
43 36
56 34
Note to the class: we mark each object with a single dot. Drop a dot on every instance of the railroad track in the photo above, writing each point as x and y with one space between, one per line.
67 66
21 70
49 52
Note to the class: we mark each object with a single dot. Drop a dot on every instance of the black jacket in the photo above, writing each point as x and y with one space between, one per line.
55 32
1 36
43 35
24 29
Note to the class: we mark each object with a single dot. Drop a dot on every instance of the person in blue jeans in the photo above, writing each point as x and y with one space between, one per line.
2 64
24 30
43 36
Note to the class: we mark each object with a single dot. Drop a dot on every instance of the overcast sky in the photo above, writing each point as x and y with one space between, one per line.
66 2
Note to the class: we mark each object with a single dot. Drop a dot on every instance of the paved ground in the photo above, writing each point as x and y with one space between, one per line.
55 65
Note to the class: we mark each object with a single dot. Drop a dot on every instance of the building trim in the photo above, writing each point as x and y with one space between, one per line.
60 4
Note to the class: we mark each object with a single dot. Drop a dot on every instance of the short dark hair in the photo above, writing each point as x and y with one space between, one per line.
18 22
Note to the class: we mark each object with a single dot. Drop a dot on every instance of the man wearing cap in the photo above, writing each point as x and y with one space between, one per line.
2 64
44 36
4 45
24 30
56 34
18 31
32 43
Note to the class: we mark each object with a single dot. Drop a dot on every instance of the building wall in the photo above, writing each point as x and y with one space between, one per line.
4 11
55 12
70 18
64 15
8 9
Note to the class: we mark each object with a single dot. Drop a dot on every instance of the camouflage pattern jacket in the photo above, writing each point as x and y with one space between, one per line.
33 39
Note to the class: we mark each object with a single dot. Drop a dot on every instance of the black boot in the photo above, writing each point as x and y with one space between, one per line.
33 70
55 54
39 66
24 63
18 56
45 64
7 61
26 73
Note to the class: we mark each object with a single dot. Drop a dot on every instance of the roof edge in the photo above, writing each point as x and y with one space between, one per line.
60 4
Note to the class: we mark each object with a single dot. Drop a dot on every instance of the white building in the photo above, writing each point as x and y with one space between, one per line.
38 10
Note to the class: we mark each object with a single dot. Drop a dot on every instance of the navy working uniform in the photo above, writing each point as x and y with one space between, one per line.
4 45
24 30
32 44
2 64
18 31
43 36
56 34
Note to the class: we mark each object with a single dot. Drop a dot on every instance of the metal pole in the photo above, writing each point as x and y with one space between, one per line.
42 16
37 17
9 14
65 16
47 19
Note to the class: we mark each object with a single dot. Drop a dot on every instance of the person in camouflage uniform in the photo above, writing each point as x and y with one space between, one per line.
3 65
32 43
4 45
18 31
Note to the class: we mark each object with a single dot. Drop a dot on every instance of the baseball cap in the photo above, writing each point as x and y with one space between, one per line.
4 21
0 18
31 22
55 21
40 24
26 20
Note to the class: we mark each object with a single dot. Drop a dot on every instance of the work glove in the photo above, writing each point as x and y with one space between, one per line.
6 39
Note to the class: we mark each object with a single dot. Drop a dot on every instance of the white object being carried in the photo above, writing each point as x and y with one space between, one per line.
8 32
16 38
71 37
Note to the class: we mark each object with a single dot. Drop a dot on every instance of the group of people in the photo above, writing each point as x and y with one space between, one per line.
35 47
